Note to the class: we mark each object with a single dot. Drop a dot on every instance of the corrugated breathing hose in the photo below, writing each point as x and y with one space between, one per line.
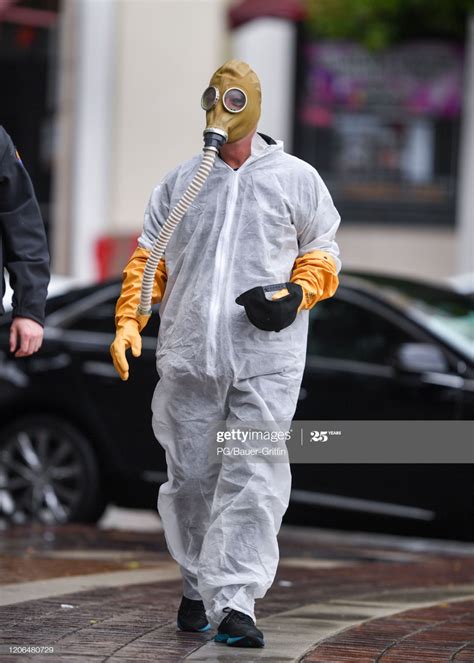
175 216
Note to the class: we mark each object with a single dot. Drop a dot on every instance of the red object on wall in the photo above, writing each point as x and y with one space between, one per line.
112 254
25 36
248 10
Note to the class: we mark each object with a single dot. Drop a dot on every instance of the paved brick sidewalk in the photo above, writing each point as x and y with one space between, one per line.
435 634
112 596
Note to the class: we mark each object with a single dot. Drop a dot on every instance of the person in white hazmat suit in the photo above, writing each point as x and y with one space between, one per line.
255 251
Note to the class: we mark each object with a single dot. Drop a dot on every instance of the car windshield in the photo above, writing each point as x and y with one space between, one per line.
447 314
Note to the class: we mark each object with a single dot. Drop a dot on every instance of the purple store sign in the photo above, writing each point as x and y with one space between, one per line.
416 78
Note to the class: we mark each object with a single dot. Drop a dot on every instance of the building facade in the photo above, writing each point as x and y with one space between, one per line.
105 100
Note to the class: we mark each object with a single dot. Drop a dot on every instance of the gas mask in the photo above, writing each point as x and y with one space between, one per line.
232 101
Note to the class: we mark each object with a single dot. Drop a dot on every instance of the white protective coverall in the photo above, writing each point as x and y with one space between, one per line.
245 229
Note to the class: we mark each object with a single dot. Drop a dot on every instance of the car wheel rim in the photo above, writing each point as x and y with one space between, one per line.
40 476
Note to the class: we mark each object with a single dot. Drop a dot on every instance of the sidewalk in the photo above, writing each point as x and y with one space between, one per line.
95 595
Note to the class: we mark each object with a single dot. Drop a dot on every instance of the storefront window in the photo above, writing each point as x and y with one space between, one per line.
382 128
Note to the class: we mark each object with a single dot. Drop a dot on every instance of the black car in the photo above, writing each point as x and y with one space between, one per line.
74 437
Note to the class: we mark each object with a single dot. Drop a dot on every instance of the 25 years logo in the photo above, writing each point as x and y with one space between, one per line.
322 435
319 436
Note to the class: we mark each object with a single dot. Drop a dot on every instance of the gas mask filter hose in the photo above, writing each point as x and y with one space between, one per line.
213 139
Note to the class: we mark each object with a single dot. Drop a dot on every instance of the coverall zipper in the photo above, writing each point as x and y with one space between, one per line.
218 278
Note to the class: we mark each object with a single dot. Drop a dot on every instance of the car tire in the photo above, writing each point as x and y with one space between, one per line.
49 473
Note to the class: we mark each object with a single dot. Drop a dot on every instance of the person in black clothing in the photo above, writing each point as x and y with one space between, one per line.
23 251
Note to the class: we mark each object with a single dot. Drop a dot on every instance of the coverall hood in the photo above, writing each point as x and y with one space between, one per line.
235 74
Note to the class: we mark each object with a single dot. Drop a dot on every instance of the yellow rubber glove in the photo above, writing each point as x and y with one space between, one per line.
127 336
128 323
316 273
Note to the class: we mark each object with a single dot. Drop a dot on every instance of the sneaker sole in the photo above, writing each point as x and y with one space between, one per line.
239 641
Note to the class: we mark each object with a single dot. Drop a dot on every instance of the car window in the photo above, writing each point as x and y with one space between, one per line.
446 313
99 317
68 298
342 330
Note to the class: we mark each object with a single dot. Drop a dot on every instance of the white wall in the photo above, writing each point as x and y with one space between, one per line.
92 135
269 47
83 133
131 77
167 52
413 252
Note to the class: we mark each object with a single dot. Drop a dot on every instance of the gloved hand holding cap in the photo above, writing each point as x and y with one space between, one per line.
272 314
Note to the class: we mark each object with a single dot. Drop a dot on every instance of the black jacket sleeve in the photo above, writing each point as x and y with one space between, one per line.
25 249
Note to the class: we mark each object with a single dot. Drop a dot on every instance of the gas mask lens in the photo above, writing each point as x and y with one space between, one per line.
209 98
234 100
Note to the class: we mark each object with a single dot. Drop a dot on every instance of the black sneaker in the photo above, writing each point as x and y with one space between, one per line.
238 630
192 616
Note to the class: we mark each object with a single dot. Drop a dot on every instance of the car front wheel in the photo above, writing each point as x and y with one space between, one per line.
49 473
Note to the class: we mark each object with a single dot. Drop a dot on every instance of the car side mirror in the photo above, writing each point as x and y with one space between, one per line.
420 358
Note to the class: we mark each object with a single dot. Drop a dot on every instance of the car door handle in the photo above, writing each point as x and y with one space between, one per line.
303 394
445 380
